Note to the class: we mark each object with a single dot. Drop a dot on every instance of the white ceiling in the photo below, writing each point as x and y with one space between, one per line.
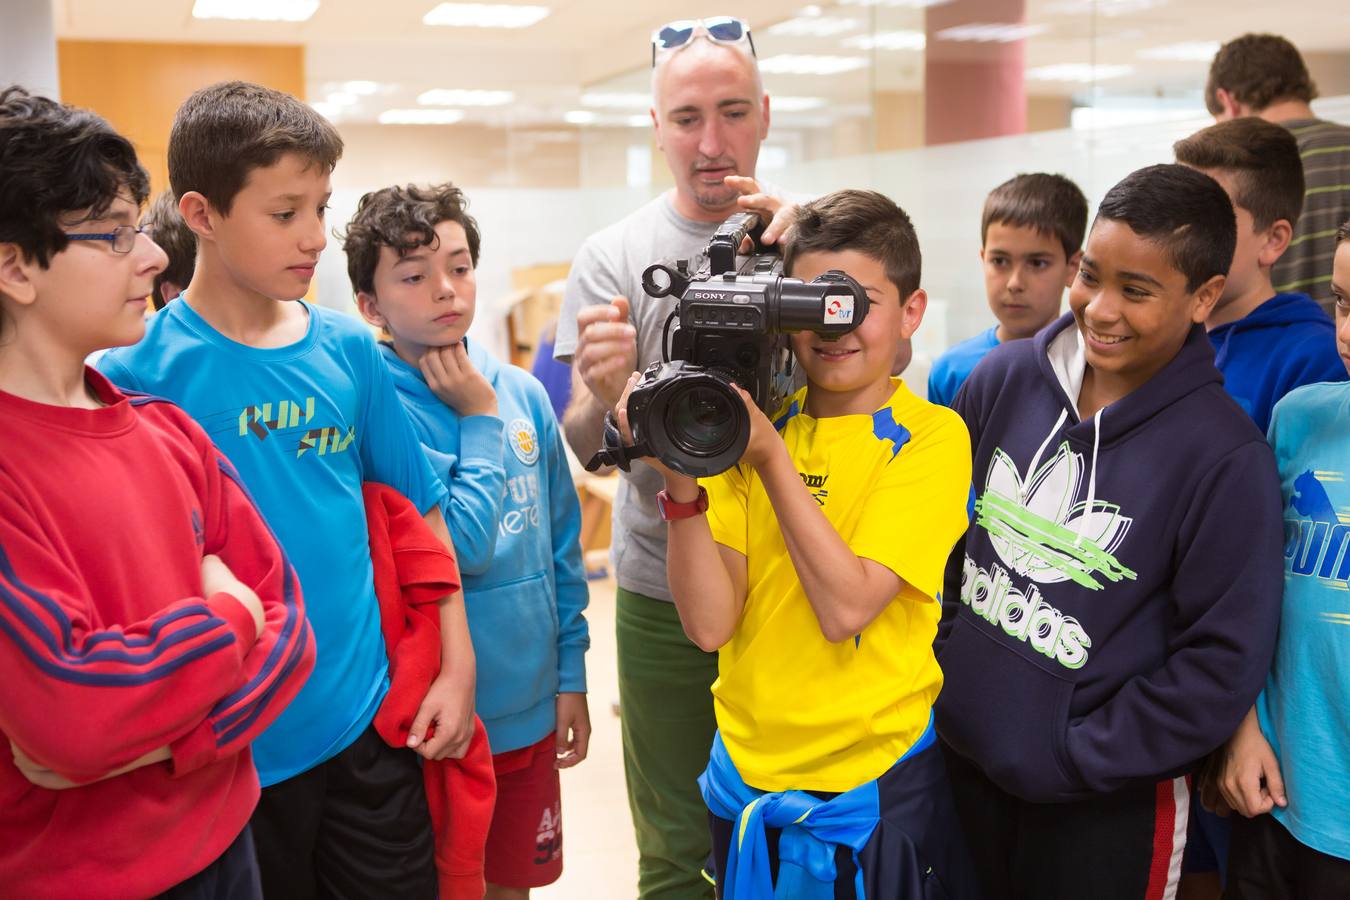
594 45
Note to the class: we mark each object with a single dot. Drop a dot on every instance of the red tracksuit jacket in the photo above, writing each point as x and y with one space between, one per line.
108 650
413 571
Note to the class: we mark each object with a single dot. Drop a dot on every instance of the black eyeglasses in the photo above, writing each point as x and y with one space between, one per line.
721 29
122 238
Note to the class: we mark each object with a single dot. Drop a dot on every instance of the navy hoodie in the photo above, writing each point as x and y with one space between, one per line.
1284 343
1111 613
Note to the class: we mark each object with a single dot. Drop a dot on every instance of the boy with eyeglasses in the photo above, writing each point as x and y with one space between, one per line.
300 400
137 684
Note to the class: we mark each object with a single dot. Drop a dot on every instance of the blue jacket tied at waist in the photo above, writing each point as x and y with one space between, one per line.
811 830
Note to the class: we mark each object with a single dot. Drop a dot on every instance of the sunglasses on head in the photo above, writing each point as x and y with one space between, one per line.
720 29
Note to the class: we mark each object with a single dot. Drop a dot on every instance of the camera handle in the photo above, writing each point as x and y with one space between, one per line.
613 451
725 244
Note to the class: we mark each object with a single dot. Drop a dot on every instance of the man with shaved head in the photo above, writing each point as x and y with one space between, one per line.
711 114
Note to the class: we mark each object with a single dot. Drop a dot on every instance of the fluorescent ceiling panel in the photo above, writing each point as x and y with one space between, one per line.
1187 51
1077 72
421 116
991 32
810 64
485 15
815 26
888 40
459 97
255 10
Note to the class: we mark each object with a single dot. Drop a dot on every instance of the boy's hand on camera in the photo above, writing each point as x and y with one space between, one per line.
776 213
606 349
443 725
1251 782
574 729
764 440
217 578
676 484
456 381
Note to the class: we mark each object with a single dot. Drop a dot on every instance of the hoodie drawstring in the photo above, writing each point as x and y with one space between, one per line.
1092 476
1040 451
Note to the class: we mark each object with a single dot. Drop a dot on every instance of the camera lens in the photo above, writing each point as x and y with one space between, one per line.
701 421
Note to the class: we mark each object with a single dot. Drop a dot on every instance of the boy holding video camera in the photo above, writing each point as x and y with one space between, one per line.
824 769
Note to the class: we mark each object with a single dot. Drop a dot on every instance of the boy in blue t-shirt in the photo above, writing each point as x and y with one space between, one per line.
1265 344
1031 239
1286 766
299 400
513 511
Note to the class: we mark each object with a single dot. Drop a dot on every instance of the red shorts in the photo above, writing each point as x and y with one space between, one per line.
524 845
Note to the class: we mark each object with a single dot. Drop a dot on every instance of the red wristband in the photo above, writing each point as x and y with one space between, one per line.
672 510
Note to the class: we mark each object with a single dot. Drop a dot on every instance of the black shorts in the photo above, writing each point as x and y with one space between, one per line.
233 876
916 853
1266 862
1125 845
354 826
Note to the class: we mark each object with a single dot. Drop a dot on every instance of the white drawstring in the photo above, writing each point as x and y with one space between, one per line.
1040 451
1092 476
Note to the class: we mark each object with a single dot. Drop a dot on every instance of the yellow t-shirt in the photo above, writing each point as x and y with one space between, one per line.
796 711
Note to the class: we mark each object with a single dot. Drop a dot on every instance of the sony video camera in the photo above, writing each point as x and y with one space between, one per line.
730 327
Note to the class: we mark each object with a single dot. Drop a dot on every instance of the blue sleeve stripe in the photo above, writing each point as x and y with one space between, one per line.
62 647
288 637
114 679
885 428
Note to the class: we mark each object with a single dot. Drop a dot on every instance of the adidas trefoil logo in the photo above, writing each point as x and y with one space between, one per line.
1041 533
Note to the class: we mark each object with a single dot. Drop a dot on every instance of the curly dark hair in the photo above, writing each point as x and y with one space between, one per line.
1258 69
57 161
864 221
223 132
404 218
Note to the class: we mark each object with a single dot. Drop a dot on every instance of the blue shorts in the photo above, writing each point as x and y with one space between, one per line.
917 851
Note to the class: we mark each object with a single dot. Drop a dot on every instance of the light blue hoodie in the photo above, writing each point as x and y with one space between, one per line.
515 521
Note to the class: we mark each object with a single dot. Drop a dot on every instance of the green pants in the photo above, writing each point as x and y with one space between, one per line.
668 725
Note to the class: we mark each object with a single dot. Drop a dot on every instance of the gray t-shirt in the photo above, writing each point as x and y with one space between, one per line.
609 265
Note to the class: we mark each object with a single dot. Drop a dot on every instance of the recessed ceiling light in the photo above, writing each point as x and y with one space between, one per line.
363 88
421 116
1079 72
460 97
616 100
639 121
1109 8
815 26
485 15
1186 51
256 10
810 64
579 117
895 4
795 104
888 40
326 109
343 98
992 32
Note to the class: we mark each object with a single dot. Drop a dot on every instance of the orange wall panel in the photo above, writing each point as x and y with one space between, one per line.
138 87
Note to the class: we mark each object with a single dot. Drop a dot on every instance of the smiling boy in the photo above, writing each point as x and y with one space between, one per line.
823 776
1111 613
